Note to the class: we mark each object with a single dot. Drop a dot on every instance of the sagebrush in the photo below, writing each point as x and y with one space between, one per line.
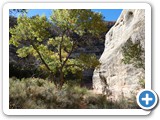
35 93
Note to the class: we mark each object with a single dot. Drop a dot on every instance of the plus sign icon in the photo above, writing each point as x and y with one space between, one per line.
147 99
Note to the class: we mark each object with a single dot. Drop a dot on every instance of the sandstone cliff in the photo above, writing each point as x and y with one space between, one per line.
115 76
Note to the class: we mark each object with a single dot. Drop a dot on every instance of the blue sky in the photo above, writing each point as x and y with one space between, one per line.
109 14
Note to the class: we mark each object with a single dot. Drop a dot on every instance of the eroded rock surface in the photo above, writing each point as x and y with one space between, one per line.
114 77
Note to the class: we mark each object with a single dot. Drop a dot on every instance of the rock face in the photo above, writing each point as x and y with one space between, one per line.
114 77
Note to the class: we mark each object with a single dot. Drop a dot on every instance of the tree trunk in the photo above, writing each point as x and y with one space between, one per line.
61 79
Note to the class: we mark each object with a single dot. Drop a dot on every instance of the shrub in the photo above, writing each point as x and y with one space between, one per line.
30 93
142 83
98 102
35 93
132 54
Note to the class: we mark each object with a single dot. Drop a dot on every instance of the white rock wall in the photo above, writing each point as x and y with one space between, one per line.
114 77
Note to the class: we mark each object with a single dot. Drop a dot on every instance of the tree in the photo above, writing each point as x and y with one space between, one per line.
75 27
13 12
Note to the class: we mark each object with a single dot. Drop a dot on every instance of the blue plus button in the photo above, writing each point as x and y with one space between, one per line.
147 99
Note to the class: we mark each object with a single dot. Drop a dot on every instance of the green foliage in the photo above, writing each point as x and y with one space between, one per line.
24 52
34 93
89 60
80 63
16 11
142 83
78 21
31 30
132 54
31 36
30 93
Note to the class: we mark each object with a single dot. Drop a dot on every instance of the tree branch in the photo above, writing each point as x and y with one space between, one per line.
60 47
43 61
69 54
60 50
